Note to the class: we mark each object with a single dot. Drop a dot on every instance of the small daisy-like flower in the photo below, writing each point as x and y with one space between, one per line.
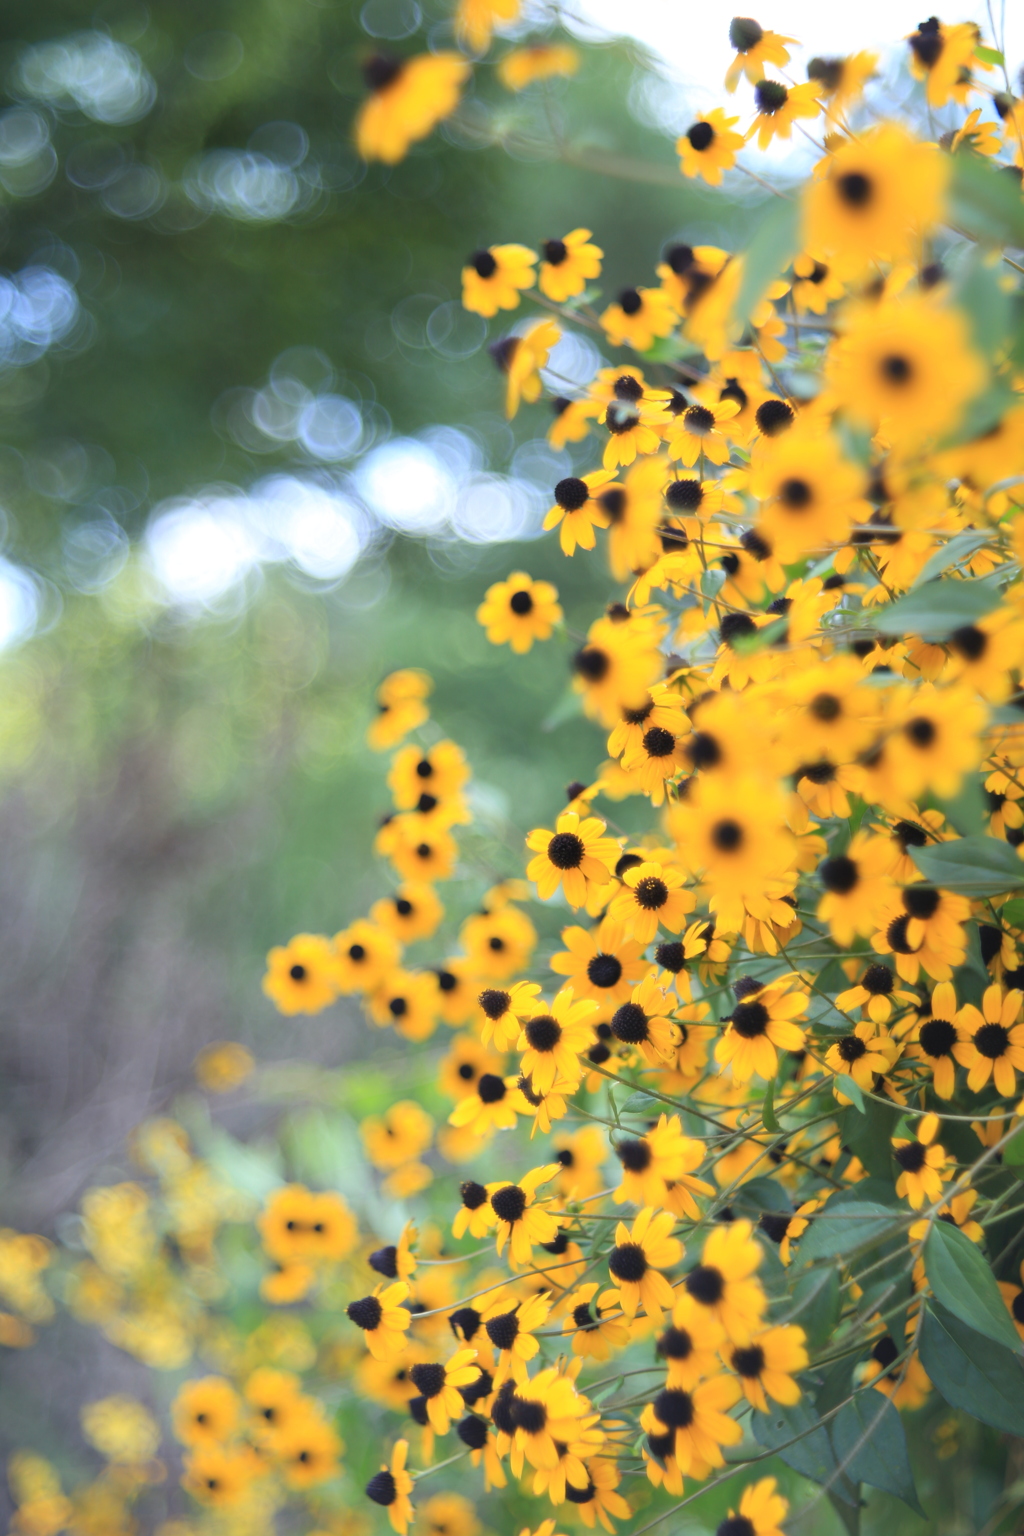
413 912
400 707
503 1012
698 1420
391 1487
540 61
552 1041
874 993
631 431
663 1158
761 1024
991 1043
653 897
857 886
690 1344
637 1259
761 1512
475 21
542 1413
600 964
440 1384
724 1282
709 147
301 975
904 1382
521 358
879 193
510 1326
644 1022
307 1451
490 1107
934 1039
364 956
638 317
494 278
780 106
409 98
520 1222
815 286
861 1055
694 431
925 1165
766 1366
574 856
595 1322
475 1215
206 1412
519 611
754 49
842 80
219 1475
407 1002
567 265
576 512
599 1500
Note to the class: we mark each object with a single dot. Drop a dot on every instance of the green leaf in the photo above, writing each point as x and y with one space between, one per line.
768 1110
871 1447
986 202
971 866
936 608
960 547
966 811
1013 1153
812 1455
869 1135
849 1227
642 1104
979 293
817 1305
988 55
961 1279
851 1090
1012 912
972 1372
769 253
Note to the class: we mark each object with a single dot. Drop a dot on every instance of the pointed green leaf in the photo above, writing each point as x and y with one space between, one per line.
936 608
851 1090
871 1447
768 1110
961 547
971 866
847 1228
961 1279
972 1372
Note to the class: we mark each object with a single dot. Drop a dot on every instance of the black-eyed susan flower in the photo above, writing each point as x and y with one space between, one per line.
439 1385
814 286
662 708
413 912
475 21
983 655
494 278
903 1381
581 1158
391 1487
694 431
880 192
574 856
572 420
754 49
511 1325
400 707
644 1022
576 512
924 930
499 941
709 146
906 367
474 1215
440 770
616 667
652 897
383 1320
600 963
490 1106
520 1221
663 1158
761 1512
655 760
502 1012
206 1411
467 1060
399 1135
274 1399
690 1344
941 55
767 1365
406 1002
298 1224
780 106
761 1024
991 1040
857 885
698 1420
934 1038
874 993
725 1284
636 1261
220 1475
599 1501
419 846
544 1412
307 1452
631 431
553 1039
596 1323
364 955
568 265
409 98
638 317
222 1066
810 494
924 1164
519 611
540 61
732 834
934 740
842 80
300 975
521 358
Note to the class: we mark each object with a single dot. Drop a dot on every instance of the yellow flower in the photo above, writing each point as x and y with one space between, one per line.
206 1412
810 494
574 856
222 1066
991 1043
699 1421
709 146
596 1323
924 1163
440 770
391 1487
661 1160
576 513
552 1041
724 1284
762 1510
694 431
511 1325
652 897
408 1002
637 1259
638 317
567 265
754 49
761 1023
521 358
410 97
495 276
400 1134
307 1451
780 106
491 1105
400 707
519 611
440 1384
219 1475
603 964
878 195
301 976
475 21
121 1429
540 61
520 1222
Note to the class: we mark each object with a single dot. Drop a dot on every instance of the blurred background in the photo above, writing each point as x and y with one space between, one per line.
253 456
